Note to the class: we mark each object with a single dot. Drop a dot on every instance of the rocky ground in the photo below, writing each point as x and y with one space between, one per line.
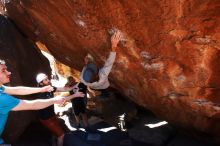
143 129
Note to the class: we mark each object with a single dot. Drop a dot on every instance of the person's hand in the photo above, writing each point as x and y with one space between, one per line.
75 89
59 100
48 88
91 92
75 95
78 94
116 37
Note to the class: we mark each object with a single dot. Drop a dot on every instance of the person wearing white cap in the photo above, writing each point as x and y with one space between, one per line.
40 77
10 103
47 116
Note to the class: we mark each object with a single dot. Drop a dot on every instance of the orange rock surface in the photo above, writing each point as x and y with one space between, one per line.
168 60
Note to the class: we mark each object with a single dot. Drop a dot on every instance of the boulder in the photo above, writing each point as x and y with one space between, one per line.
167 61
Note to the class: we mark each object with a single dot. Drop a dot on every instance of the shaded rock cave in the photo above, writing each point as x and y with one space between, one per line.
167 62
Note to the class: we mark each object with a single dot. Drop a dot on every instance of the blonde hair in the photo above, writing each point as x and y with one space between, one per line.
90 58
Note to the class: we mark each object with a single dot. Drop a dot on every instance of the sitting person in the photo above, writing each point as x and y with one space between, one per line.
95 78
9 103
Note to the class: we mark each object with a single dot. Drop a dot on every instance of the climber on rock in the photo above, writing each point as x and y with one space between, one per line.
95 78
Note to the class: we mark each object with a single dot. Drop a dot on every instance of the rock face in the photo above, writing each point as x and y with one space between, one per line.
168 60
24 61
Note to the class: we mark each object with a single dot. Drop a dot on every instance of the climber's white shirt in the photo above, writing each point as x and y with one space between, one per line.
103 81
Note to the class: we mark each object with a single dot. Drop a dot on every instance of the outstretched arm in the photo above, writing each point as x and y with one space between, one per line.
43 103
21 90
64 89
111 59
67 89
77 94
34 104
115 40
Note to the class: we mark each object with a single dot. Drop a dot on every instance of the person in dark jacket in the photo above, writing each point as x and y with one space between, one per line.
78 104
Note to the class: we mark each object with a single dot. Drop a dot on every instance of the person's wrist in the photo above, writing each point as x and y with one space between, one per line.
54 100
113 48
74 95
42 89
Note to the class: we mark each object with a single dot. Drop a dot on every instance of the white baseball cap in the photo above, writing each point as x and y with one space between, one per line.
40 77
